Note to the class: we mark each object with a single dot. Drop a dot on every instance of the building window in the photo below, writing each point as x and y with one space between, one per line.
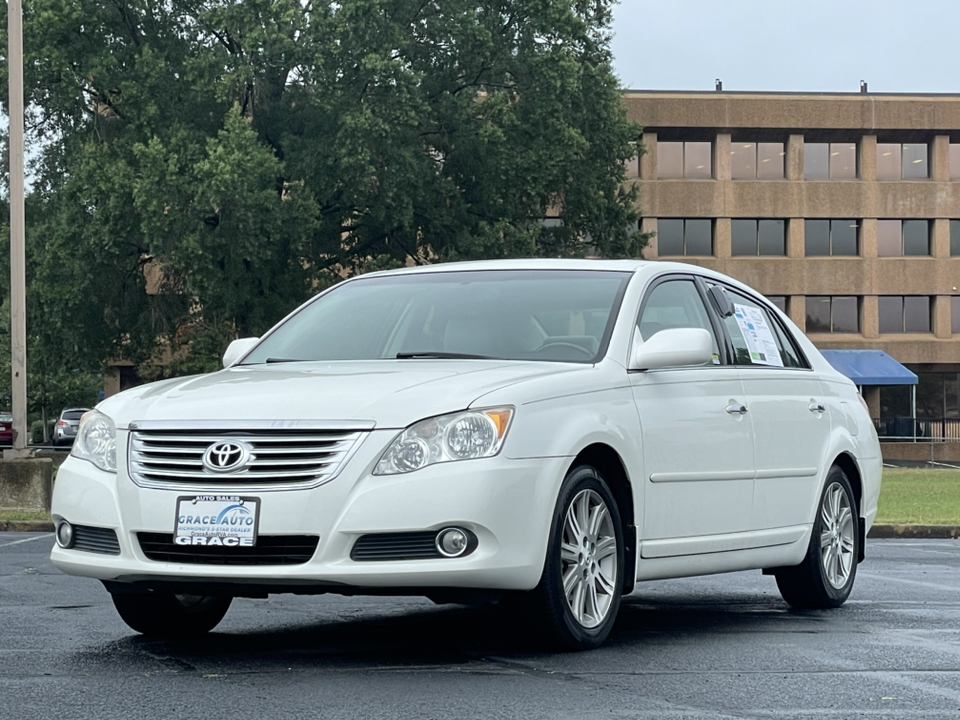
955 314
937 399
833 314
898 238
905 314
938 396
954 161
757 160
684 237
903 161
631 167
690 160
759 237
955 238
831 237
829 161
780 301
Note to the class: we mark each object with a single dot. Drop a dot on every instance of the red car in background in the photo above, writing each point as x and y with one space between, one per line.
6 429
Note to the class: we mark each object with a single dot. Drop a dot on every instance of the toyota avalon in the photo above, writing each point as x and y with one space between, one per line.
548 432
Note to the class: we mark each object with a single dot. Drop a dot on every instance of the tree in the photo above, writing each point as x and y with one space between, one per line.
256 150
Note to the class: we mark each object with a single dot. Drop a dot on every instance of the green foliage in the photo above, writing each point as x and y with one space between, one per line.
254 151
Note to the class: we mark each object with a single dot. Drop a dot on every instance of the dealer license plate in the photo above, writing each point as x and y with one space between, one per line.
217 520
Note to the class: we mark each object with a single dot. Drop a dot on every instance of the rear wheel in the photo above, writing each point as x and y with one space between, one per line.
579 593
166 614
825 577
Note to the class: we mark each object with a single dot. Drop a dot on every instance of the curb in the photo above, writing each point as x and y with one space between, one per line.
877 532
914 531
30 526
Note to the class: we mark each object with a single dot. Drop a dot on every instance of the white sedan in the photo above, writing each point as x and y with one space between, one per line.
548 432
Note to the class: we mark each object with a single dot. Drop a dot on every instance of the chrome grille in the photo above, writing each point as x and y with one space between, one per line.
283 454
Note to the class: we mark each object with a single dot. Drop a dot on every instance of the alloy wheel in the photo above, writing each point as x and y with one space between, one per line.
588 555
836 536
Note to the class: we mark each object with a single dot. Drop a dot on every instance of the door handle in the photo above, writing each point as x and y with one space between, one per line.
817 408
737 409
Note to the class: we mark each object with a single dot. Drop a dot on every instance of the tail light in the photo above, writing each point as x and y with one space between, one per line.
62 423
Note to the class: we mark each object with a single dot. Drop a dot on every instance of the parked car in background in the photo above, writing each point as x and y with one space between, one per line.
544 432
65 430
6 429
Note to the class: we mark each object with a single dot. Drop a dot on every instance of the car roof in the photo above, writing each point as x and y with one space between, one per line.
646 268
519 264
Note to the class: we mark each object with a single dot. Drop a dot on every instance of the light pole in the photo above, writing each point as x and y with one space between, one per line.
18 312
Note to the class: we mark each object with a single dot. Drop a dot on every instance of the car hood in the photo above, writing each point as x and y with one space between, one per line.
386 393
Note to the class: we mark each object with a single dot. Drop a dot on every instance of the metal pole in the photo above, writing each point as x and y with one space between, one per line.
18 313
913 410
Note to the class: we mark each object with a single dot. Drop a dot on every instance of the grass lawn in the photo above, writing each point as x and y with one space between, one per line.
909 496
920 496
22 515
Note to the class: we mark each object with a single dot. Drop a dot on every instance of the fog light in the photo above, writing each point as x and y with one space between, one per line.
64 534
452 542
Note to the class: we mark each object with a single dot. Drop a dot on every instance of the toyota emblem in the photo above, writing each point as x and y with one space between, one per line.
227 456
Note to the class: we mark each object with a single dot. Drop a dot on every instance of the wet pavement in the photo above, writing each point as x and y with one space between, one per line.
716 647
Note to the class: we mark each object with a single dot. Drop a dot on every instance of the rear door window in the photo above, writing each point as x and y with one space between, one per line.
757 336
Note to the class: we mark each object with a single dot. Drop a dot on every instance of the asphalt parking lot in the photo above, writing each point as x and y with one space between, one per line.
716 647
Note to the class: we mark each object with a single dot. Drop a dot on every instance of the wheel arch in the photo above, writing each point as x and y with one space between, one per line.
609 464
846 462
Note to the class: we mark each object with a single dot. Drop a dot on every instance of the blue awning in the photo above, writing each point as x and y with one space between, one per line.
870 367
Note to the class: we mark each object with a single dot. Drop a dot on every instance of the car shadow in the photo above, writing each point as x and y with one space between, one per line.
417 635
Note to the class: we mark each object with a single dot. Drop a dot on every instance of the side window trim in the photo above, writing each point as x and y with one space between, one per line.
720 330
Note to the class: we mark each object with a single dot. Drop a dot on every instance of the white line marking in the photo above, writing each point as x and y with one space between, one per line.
25 540
885 578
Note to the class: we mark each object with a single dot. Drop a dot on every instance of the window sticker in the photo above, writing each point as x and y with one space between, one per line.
758 336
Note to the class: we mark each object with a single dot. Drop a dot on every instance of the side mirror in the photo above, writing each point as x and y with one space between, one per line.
237 349
675 347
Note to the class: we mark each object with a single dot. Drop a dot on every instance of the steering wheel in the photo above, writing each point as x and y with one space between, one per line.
565 344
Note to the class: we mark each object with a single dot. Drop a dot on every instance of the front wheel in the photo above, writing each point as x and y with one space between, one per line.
166 614
825 577
579 592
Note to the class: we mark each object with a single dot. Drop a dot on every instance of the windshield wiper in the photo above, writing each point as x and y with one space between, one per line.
431 355
281 360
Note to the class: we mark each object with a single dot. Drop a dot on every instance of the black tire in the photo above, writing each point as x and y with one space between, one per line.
825 577
599 565
165 614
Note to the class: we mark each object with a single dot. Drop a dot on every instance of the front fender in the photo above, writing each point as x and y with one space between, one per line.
563 426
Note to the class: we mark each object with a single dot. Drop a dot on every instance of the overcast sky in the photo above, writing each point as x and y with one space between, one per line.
791 45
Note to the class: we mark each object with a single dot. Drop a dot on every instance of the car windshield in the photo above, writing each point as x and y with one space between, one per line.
507 314
73 414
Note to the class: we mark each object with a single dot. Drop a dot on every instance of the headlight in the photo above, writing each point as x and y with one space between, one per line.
97 441
458 436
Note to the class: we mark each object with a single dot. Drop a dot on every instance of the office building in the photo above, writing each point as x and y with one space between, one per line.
844 209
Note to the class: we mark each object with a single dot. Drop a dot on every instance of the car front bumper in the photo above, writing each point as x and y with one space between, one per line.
507 504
